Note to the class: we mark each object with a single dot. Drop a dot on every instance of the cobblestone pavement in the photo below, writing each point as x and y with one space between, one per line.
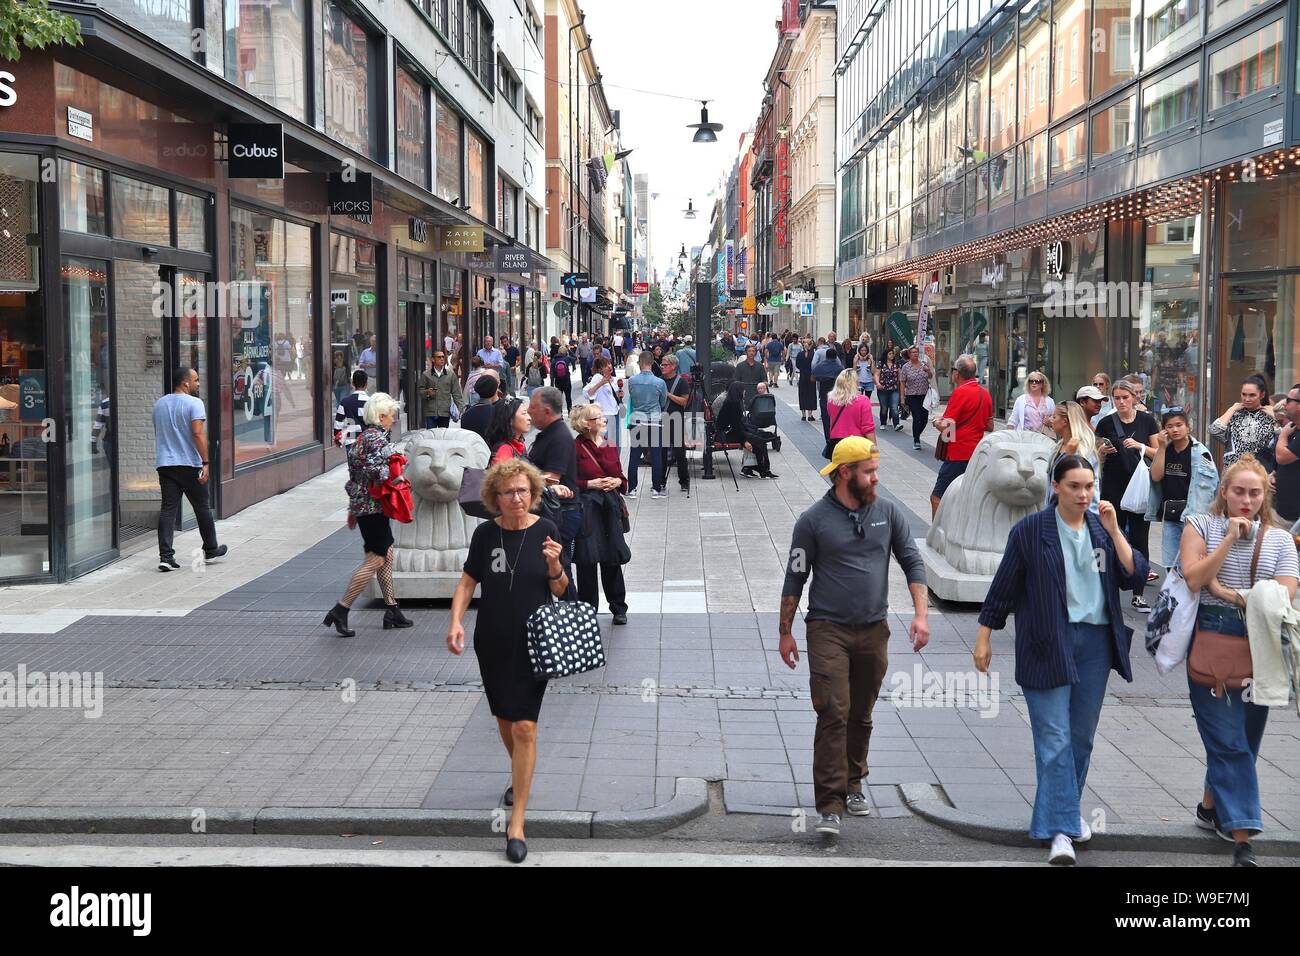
224 689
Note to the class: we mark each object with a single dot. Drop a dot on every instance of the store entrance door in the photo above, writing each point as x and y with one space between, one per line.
997 383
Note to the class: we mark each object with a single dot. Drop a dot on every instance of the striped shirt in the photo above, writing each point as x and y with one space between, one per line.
1277 556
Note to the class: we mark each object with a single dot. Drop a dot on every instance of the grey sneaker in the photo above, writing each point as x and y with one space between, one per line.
857 805
829 823
631 495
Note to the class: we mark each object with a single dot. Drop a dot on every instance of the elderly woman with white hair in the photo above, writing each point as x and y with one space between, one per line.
368 464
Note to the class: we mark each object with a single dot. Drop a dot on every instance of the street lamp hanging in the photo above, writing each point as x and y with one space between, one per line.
689 211
705 132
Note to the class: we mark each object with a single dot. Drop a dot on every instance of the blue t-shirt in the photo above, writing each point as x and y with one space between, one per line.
1083 597
173 438
774 350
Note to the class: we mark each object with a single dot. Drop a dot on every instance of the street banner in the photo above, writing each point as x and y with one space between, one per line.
900 328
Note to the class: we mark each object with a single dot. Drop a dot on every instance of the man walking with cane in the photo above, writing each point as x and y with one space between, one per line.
844 541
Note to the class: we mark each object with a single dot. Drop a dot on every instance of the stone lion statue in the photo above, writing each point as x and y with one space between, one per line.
1005 481
428 553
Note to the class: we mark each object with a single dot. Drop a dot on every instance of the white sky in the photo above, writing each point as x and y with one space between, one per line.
717 50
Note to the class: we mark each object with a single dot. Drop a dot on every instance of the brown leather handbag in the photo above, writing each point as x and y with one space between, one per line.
1222 662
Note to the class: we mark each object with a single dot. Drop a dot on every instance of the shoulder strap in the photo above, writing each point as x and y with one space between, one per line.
1259 544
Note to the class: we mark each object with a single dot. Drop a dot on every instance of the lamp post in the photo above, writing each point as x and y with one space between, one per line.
704 358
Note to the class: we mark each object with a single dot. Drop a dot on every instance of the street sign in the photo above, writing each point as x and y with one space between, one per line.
743 325
807 308
256 150
460 239
751 305
640 288
776 301
575 280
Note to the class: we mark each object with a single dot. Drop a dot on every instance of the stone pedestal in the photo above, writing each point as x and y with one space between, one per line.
1005 481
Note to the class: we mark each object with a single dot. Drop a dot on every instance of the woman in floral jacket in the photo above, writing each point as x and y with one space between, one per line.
368 459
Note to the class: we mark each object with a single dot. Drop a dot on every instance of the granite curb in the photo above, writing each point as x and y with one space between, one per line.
689 801
924 800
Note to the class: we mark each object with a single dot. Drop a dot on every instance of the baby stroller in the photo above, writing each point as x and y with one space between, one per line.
762 415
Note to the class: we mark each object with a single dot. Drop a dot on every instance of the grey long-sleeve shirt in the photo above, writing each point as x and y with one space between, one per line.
850 583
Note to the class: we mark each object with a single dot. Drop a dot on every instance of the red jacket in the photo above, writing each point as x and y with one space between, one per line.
602 462
394 497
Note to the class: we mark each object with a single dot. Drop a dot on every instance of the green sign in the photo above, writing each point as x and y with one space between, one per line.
366 298
972 324
777 300
900 328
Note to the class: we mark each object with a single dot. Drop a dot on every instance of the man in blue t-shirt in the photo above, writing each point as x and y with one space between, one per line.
181 441
775 356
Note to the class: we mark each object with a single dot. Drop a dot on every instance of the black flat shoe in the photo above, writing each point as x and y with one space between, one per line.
338 617
508 798
516 850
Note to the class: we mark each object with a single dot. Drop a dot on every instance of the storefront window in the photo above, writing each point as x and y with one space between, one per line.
1002 99
478 182
24 522
354 307
81 199
1246 66
412 129
347 81
164 21
449 154
1069 56
191 222
451 309
1069 150
1258 327
1033 165
266 44
1112 128
1002 177
273 400
1034 67
1166 329
1171 101
141 212
1263 230
1168 28
977 92
1116 27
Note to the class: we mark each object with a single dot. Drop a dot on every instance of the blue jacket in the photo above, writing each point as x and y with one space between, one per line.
1200 491
1031 582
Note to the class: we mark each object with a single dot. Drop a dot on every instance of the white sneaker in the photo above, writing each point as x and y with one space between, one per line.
1062 852
1085 831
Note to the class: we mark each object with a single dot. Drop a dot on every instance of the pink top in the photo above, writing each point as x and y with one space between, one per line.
854 418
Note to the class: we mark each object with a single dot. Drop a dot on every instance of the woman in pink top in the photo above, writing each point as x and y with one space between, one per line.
848 411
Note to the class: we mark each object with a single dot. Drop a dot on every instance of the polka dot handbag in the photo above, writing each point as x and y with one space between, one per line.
563 639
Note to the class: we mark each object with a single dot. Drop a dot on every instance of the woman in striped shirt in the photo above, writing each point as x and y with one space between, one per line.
1217 552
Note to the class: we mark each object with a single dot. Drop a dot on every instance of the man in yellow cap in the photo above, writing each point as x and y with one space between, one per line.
844 542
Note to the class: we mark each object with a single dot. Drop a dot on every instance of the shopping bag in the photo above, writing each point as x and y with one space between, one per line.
1138 490
931 400
1171 622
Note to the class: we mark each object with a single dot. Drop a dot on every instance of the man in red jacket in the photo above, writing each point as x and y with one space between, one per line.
968 416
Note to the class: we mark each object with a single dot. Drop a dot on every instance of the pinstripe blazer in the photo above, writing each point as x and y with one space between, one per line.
1031 582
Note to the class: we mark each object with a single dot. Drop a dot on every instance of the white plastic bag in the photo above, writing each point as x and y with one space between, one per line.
1138 490
1171 622
931 400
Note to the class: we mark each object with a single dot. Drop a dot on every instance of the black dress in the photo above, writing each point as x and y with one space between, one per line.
807 384
500 641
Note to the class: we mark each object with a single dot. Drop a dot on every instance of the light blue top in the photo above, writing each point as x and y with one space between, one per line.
172 415
685 359
648 395
1083 597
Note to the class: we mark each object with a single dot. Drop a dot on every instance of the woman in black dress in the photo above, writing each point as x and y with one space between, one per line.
807 384
516 560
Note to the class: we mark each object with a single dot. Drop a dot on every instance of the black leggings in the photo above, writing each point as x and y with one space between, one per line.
920 417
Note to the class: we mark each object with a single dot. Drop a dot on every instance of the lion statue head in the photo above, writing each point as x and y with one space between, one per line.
1005 481
438 539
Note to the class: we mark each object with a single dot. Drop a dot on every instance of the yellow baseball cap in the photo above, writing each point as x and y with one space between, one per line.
850 451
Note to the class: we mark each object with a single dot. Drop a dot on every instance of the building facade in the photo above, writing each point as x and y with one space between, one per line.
273 192
1077 186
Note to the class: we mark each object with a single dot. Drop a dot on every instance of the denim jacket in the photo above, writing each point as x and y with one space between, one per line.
648 396
1200 491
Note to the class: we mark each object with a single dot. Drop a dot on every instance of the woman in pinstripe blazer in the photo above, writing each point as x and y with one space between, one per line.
1061 574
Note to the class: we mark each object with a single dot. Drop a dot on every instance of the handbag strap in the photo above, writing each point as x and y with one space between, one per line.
1259 544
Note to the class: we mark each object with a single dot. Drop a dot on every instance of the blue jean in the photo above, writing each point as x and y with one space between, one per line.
888 405
645 438
1231 730
1064 721
1171 537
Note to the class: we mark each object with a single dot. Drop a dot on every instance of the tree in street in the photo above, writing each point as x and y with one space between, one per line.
32 25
